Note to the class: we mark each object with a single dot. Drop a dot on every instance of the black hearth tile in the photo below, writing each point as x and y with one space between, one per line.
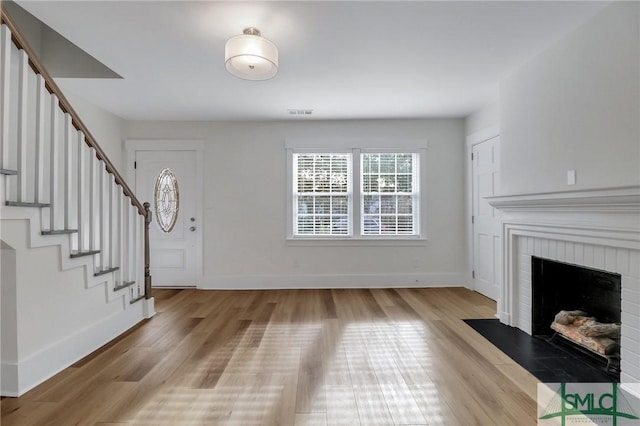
532 362
547 361
549 376
528 363
561 363
567 363
590 374
592 377
539 350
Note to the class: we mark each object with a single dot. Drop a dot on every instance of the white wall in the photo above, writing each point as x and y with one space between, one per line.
8 332
105 127
245 166
64 301
60 311
576 106
30 27
482 119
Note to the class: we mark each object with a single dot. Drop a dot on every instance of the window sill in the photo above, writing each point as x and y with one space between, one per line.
356 242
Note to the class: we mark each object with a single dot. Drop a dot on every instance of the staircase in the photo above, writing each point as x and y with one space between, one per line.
63 204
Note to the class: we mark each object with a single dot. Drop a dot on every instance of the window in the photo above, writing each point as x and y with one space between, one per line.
389 196
322 197
355 194
166 200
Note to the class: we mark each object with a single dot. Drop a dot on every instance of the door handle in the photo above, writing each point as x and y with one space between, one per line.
192 229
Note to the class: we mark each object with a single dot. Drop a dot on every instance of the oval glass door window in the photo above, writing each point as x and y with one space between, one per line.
166 198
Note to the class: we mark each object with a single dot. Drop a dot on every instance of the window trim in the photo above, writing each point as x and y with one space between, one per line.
355 147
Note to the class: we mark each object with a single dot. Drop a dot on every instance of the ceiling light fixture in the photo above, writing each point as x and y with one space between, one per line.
250 56
300 111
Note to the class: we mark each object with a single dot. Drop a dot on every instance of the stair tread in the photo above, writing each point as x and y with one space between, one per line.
105 271
8 172
24 204
59 232
84 253
137 299
123 285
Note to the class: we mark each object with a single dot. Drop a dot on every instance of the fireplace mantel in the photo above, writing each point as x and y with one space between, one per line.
608 217
608 200
598 228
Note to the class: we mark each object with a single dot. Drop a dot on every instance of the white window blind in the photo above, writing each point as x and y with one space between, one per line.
322 194
389 196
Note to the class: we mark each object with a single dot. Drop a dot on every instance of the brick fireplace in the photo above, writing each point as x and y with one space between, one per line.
597 229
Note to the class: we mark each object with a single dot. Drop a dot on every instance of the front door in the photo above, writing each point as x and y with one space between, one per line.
487 247
167 179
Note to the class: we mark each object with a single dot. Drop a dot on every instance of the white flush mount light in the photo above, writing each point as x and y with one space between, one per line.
250 56
300 111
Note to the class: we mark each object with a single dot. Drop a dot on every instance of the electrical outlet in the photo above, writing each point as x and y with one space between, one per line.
571 177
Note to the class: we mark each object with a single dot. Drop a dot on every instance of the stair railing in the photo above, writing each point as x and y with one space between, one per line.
87 197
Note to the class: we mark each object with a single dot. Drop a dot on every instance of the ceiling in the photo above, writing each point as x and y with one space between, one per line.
342 59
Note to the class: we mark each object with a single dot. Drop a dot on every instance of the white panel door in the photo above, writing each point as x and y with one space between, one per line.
173 251
486 221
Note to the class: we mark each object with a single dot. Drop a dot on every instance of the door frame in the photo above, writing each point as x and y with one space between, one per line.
472 140
131 146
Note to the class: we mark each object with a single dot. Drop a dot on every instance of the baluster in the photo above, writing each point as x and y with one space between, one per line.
53 168
126 237
103 217
112 224
23 83
92 200
146 250
81 191
68 160
133 256
139 253
39 151
131 243
5 80
120 221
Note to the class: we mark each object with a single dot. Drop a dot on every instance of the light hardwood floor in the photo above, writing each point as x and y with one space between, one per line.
293 357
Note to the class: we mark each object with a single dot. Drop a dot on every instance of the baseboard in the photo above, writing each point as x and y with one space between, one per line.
272 282
9 379
505 318
23 376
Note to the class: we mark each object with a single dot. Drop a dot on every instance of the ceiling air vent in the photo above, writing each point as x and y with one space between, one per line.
300 111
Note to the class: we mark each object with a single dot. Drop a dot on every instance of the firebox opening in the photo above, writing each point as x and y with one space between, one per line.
560 286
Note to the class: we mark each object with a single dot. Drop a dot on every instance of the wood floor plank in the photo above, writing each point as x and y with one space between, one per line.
153 386
292 357
311 374
26 412
311 419
87 407
433 406
342 408
335 364
372 406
